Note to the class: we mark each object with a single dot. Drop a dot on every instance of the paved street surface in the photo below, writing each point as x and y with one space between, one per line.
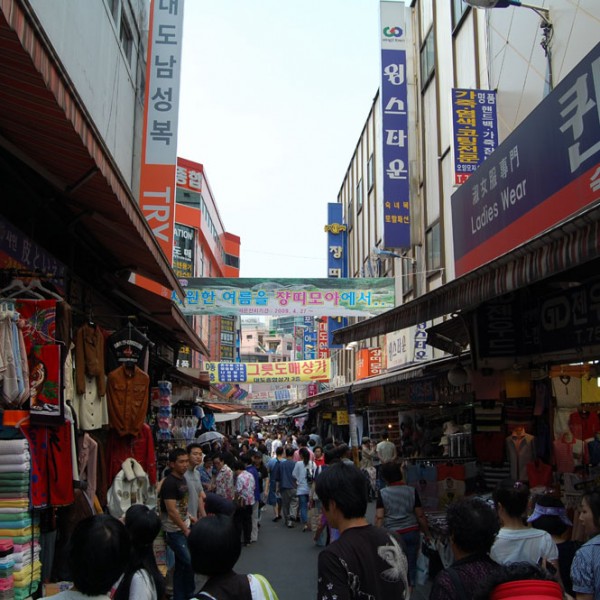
288 559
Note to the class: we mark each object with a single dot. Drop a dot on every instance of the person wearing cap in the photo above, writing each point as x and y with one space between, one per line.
550 515
585 570
516 542
472 528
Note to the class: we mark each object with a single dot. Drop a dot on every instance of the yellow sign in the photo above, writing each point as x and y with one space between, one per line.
279 372
326 416
342 417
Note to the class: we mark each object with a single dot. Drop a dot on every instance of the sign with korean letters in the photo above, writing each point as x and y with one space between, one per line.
277 372
394 122
358 297
545 171
159 143
337 259
183 250
368 362
475 130
407 346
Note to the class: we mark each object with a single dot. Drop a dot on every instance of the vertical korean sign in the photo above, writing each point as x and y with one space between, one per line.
159 136
337 262
394 120
475 130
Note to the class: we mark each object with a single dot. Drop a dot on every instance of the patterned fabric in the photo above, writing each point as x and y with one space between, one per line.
224 485
471 571
585 570
244 487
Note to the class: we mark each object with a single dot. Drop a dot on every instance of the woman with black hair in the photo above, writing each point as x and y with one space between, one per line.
303 475
516 542
472 529
550 515
215 546
585 570
142 580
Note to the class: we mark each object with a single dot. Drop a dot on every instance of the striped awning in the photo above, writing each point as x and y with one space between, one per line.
568 245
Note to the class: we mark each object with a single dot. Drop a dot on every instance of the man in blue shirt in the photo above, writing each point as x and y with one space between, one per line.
285 484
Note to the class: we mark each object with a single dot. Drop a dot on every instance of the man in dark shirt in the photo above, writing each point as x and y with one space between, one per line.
175 518
366 561
285 485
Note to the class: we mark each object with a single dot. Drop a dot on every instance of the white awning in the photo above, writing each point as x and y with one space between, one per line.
231 416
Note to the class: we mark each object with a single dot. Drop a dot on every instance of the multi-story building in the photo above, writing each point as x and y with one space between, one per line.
261 344
520 54
204 249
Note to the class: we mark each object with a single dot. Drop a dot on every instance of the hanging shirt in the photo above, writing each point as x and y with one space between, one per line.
127 346
584 424
520 451
128 397
567 391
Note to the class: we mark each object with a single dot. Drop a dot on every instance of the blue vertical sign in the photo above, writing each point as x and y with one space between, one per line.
394 122
310 339
337 260
475 130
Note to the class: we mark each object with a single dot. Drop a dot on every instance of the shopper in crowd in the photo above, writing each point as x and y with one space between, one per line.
215 547
550 515
273 497
519 581
285 485
585 570
142 580
97 555
367 465
251 466
244 499
303 475
206 473
224 480
472 529
319 459
303 443
399 509
217 505
196 495
366 561
516 542
176 522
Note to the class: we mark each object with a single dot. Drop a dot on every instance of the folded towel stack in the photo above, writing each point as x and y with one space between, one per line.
17 525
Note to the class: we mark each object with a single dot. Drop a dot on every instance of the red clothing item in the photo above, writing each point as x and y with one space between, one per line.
489 446
584 424
51 465
140 447
539 473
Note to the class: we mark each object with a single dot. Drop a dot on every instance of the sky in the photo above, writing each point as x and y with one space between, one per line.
274 96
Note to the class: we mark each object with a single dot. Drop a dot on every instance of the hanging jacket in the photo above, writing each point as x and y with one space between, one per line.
131 486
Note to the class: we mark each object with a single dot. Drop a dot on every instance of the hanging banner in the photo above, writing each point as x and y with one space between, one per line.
394 124
475 129
337 258
358 297
161 110
184 250
279 372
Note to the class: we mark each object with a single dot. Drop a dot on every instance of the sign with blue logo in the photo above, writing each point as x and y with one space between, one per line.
547 170
475 130
394 121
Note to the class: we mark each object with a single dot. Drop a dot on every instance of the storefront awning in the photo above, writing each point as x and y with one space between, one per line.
226 408
569 244
163 312
194 377
230 416
44 124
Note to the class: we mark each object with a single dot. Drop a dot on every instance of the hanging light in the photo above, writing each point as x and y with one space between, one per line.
458 375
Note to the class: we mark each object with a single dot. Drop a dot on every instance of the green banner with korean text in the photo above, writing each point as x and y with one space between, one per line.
331 297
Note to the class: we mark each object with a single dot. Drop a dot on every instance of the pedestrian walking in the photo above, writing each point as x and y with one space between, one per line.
286 486
224 480
244 499
303 475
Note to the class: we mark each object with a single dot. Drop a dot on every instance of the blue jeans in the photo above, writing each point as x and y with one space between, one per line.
303 500
411 540
183 576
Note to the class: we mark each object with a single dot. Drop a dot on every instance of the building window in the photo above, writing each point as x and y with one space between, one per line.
232 261
359 196
114 9
350 214
434 247
370 174
427 58
183 196
459 8
126 39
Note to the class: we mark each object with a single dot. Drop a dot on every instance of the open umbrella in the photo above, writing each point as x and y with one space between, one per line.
209 436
